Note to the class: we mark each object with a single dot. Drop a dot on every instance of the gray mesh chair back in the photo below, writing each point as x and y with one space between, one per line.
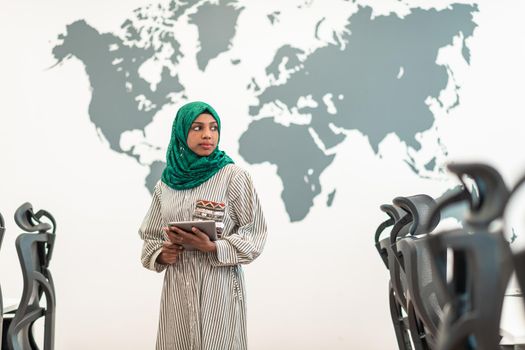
481 265
2 231
397 276
385 247
396 296
481 269
34 250
424 300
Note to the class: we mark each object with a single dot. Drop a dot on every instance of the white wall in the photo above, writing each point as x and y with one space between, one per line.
319 283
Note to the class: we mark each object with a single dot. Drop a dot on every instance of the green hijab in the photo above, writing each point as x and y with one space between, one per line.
184 168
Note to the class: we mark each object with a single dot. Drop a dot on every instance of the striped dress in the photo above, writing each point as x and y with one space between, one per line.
203 305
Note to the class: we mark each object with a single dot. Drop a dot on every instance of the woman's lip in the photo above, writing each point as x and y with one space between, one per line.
206 145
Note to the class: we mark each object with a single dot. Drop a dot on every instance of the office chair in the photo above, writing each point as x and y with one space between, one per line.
406 216
481 264
424 300
401 228
384 248
34 252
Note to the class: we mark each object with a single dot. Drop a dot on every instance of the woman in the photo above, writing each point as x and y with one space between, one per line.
203 299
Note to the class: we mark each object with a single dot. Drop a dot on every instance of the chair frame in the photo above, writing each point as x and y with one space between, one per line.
34 252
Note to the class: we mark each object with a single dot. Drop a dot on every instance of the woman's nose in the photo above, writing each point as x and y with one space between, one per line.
206 133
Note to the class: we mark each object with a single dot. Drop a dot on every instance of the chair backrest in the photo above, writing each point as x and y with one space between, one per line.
423 298
395 295
34 252
480 263
481 270
387 250
407 215
416 210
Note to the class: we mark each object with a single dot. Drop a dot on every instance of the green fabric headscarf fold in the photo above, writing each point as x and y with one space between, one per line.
184 168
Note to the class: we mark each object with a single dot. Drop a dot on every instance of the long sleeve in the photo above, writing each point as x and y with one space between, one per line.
247 240
151 233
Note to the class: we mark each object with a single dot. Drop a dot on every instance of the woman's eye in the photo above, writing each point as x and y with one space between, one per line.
196 128
214 128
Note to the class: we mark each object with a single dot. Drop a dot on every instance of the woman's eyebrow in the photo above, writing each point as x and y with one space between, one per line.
201 123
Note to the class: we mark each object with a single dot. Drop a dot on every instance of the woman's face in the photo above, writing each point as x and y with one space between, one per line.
203 135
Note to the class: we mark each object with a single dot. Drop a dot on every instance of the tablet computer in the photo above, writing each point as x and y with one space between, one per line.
207 226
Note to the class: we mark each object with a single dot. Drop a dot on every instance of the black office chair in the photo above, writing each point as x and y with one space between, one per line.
424 300
396 297
401 228
481 265
412 212
2 231
34 252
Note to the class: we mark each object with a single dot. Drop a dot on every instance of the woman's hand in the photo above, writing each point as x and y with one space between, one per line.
169 253
198 239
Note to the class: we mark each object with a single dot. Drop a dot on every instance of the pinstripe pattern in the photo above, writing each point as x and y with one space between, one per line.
203 304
